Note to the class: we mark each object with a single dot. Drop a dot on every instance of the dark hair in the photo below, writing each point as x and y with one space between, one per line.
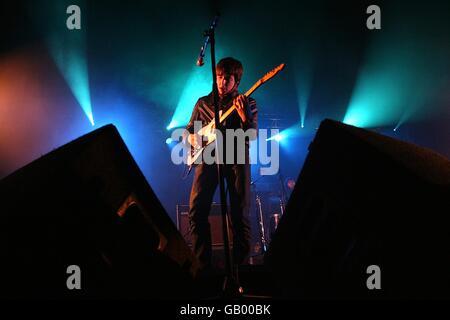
231 66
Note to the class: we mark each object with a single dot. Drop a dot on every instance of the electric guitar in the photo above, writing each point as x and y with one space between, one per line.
207 133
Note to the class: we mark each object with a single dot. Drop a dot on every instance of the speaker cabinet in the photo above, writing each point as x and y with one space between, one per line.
87 204
362 201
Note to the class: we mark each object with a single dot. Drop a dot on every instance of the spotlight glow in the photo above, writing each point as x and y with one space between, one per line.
171 125
303 66
198 84
66 47
277 137
73 66
396 80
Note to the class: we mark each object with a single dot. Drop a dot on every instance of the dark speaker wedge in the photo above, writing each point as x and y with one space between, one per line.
363 199
88 204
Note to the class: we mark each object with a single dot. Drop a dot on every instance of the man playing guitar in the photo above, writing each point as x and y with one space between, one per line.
237 176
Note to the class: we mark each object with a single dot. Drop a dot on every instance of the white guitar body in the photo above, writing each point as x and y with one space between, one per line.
207 135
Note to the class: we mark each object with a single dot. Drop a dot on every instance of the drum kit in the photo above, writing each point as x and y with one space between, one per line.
269 206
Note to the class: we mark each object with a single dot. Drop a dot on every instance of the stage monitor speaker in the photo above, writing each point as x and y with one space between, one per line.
369 218
82 221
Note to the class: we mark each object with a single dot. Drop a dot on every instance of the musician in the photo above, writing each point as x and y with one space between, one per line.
237 176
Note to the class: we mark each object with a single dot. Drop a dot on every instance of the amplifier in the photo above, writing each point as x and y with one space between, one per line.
215 221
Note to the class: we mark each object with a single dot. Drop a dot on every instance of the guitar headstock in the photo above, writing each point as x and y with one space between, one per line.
272 73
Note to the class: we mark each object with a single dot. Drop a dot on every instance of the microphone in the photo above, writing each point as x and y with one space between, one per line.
201 60
207 33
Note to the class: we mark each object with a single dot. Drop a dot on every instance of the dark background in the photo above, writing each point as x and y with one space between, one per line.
140 61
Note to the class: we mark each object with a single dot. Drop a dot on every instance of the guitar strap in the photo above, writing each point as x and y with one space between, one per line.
207 113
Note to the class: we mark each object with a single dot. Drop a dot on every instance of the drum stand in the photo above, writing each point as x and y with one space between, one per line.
262 230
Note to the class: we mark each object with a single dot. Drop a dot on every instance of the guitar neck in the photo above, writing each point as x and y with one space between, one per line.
233 107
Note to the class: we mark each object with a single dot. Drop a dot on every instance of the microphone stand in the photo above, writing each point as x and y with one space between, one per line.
283 194
230 285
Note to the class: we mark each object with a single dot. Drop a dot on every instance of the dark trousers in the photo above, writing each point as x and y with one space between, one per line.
237 177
